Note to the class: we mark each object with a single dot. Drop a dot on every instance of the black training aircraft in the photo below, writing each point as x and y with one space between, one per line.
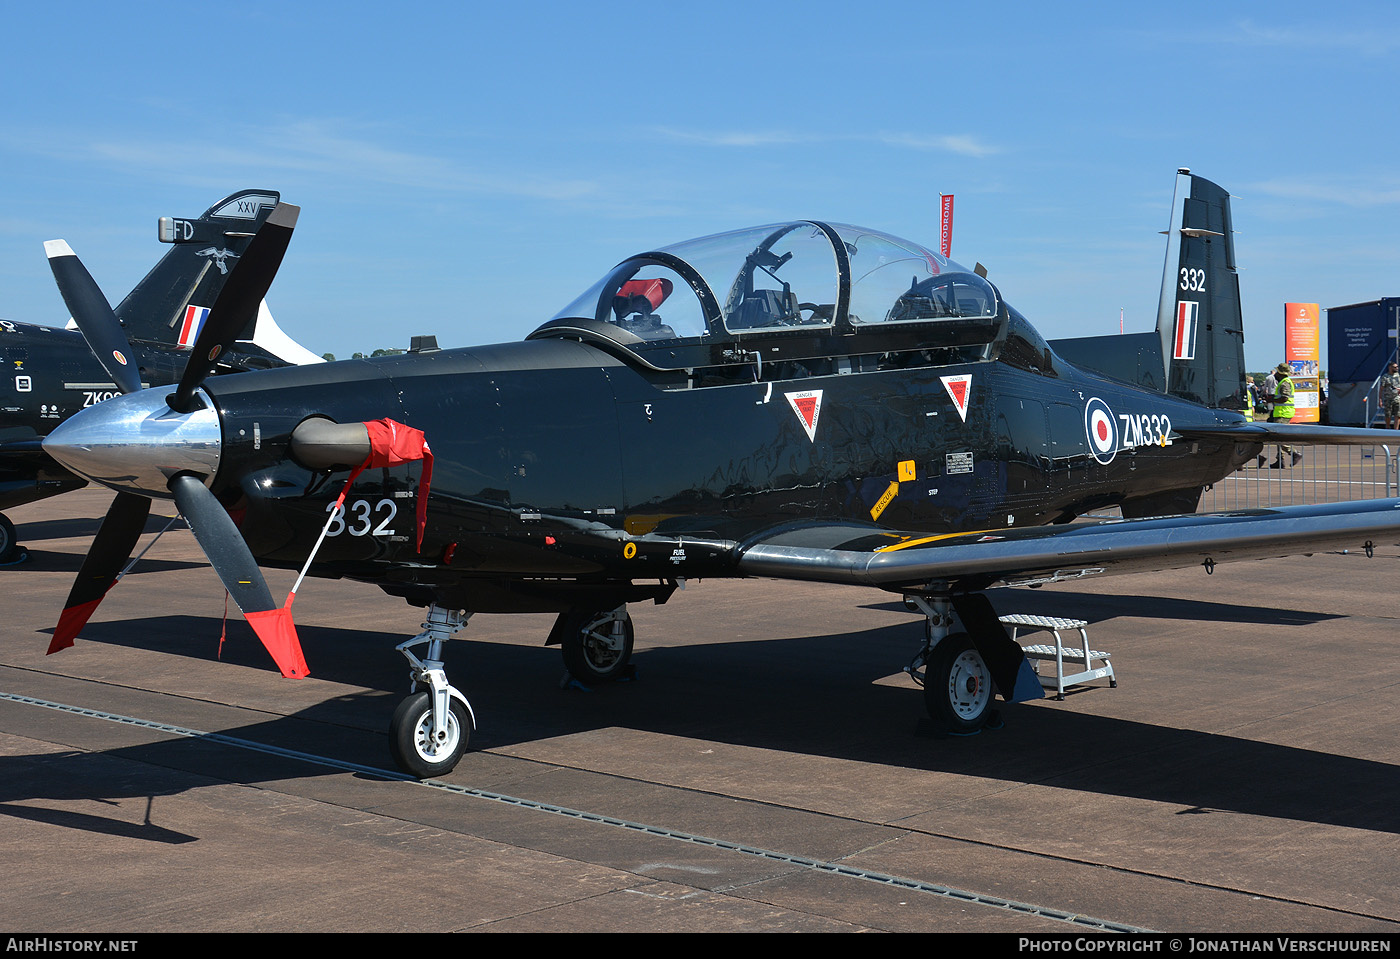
51 373
805 400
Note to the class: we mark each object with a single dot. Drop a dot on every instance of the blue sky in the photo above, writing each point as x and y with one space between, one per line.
466 169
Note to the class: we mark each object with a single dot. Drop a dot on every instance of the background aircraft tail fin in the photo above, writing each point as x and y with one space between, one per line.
1197 350
169 305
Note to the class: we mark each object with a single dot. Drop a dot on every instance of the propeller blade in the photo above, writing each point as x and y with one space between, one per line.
233 561
94 315
237 303
110 549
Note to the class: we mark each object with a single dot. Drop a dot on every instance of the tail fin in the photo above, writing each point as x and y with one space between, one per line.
1197 351
1199 318
169 305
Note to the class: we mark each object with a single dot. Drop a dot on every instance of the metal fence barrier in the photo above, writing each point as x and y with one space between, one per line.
1327 474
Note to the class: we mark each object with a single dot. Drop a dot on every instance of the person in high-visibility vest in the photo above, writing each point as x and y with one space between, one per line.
1251 397
1283 413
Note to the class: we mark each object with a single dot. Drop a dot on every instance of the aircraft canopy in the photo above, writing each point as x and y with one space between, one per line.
805 279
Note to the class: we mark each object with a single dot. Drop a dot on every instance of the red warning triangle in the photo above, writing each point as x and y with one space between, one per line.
808 406
959 389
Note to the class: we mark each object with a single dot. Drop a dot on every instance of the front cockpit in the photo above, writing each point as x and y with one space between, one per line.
804 298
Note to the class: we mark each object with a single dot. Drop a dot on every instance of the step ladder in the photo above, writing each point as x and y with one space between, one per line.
1059 653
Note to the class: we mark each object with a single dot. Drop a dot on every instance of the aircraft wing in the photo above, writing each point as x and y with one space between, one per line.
973 561
1293 433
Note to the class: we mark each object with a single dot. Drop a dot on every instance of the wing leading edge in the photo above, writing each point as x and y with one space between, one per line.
972 561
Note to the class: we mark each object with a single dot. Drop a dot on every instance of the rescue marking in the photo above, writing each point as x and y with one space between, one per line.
808 407
959 389
629 551
907 471
890 493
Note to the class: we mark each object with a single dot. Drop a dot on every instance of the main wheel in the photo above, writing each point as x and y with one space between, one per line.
958 686
9 540
597 647
411 740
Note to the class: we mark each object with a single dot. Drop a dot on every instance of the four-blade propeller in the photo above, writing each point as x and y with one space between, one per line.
235 307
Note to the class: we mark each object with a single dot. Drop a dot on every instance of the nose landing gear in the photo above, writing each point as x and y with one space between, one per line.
430 729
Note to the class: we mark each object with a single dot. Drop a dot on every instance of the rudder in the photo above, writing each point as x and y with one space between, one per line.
1199 319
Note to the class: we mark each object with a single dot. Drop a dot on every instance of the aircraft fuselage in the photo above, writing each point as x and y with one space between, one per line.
559 460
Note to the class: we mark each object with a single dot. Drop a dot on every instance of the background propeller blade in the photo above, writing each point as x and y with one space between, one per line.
110 549
94 316
237 304
223 544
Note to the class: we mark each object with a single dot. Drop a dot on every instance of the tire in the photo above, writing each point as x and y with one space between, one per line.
595 654
409 737
958 687
9 541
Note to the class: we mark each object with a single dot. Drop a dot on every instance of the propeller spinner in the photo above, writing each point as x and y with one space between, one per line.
153 443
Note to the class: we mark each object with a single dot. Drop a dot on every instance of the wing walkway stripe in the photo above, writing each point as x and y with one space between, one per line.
817 865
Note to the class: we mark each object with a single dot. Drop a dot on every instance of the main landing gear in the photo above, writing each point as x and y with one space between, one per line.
431 728
10 550
962 672
597 644
958 686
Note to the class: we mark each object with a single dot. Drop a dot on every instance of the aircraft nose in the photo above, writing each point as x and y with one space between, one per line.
135 443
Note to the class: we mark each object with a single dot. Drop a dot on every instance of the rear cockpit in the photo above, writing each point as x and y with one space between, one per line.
788 300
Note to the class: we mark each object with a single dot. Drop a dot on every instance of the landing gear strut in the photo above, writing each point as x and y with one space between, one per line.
430 729
958 686
597 645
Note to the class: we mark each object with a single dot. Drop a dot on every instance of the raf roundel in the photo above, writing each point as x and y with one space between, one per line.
1101 426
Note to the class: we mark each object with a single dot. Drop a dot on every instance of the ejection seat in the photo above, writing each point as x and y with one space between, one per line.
762 309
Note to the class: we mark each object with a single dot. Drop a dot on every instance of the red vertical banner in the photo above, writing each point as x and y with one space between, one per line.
945 233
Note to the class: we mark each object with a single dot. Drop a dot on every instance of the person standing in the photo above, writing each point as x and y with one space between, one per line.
1390 395
1283 413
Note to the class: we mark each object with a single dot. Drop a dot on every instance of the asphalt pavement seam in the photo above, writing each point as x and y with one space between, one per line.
816 865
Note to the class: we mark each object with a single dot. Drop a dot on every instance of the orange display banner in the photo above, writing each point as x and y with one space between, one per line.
1302 352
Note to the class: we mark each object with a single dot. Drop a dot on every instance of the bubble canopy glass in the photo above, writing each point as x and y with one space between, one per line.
801 279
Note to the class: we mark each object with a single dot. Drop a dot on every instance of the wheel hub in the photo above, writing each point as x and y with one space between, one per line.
431 746
967 687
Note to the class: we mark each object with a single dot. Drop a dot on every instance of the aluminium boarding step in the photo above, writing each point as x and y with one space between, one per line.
1060 653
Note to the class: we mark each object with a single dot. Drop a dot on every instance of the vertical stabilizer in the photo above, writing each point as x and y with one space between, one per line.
1199 319
169 305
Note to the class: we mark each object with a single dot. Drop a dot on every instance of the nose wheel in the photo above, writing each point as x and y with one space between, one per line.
431 728
418 748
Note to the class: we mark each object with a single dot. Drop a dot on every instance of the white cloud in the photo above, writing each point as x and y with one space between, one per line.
1352 192
961 144
314 147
